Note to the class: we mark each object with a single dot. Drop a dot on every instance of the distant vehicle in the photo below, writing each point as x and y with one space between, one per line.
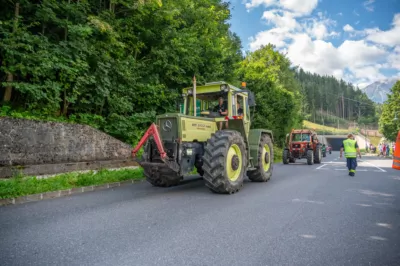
302 143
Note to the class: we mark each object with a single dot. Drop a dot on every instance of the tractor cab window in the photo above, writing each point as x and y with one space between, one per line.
208 105
296 137
239 106
301 137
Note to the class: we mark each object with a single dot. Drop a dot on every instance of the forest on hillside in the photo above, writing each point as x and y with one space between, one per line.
331 101
115 64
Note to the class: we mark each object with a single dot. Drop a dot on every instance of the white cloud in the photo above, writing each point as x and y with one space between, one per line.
368 5
304 7
275 36
347 27
340 14
355 13
305 40
394 58
320 28
390 37
298 7
285 21
256 3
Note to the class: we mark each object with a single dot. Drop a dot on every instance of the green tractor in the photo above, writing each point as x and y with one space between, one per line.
212 134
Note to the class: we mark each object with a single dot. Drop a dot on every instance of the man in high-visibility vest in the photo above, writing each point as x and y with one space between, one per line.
351 149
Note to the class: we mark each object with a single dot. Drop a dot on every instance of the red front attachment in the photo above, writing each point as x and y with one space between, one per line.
152 131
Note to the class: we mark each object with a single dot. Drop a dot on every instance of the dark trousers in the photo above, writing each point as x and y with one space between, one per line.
352 165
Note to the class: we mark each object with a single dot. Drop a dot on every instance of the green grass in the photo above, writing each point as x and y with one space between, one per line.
277 154
320 129
21 186
375 140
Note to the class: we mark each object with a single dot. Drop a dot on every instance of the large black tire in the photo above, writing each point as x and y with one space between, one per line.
318 155
261 174
217 162
310 157
285 156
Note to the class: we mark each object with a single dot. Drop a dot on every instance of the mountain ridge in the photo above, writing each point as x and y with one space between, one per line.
378 90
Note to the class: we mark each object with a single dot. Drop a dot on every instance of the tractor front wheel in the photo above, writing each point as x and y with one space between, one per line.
225 161
263 171
318 154
310 157
285 157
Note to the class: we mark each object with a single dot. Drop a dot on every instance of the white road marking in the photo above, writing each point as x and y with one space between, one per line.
373 165
364 205
377 238
308 201
321 166
308 236
384 225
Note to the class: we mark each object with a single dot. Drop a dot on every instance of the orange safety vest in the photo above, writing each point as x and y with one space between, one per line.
396 154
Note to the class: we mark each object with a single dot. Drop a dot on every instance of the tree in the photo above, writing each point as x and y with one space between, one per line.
268 74
390 109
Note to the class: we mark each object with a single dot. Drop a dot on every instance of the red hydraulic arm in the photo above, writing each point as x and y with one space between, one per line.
152 131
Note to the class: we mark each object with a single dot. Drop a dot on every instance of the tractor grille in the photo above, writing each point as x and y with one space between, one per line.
168 128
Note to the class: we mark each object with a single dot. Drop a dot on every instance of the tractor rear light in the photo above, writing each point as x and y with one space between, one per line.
233 117
189 152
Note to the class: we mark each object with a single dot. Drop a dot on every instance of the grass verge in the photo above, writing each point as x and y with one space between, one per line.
22 186
375 140
320 129
277 154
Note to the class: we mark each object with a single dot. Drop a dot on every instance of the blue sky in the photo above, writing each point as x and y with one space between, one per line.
358 40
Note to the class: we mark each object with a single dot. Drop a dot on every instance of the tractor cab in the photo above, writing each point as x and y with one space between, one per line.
220 101
206 100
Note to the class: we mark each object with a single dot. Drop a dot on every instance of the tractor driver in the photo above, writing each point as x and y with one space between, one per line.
222 109
239 109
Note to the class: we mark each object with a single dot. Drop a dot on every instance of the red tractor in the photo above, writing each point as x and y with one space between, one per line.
302 143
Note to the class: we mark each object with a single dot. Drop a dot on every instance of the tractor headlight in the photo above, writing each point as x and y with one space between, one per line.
189 152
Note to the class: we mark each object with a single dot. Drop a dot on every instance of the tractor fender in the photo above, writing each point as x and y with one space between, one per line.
254 140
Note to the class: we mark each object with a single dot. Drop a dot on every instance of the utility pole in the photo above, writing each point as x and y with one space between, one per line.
343 105
194 95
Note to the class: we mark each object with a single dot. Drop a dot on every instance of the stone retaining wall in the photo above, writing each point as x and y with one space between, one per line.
25 143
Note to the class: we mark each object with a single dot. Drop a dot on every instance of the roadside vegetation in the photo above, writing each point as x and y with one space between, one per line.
114 65
388 124
326 130
20 186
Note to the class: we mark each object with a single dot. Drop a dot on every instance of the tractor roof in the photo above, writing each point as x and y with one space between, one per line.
210 87
303 131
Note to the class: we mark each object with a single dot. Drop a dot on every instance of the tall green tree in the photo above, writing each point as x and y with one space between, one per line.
388 125
268 74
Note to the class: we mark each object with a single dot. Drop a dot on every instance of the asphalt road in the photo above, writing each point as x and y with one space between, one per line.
303 216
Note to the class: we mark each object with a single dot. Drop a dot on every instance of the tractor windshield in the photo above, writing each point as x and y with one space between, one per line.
208 104
301 137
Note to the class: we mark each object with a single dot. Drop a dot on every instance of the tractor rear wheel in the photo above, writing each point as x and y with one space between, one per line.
285 157
310 157
224 162
263 171
318 154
